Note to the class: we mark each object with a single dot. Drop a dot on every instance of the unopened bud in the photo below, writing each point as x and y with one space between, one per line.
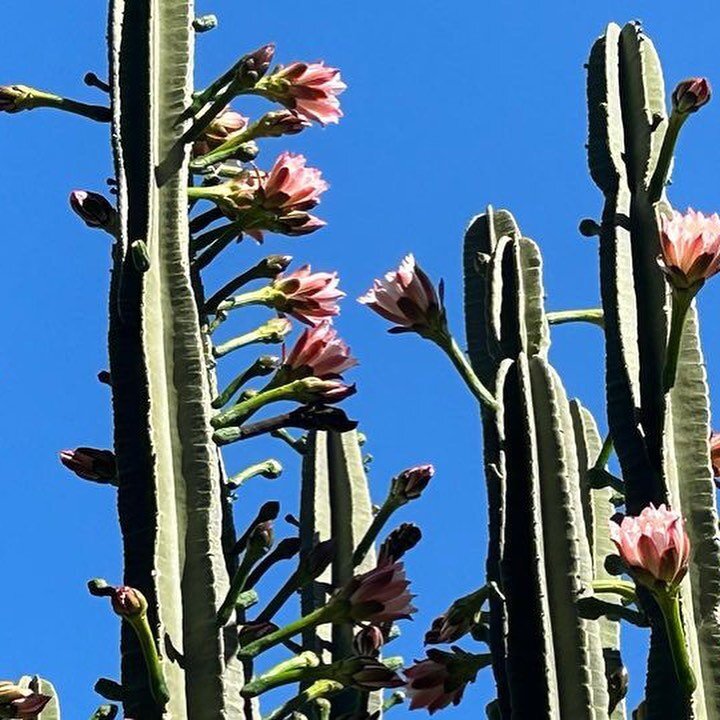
280 122
315 390
398 542
91 464
262 538
368 641
19 702
254 631
691 94
410 483
273 265
94 209
318 559
204 23
275 330
15 98
255 64
128 602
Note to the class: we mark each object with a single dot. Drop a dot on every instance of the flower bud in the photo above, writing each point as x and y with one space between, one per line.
410 483
274 330
91 464
20 702
691 94
254 631
224 126
320 417
315 390
255 64
368 641
715 453
93 209
366 673
318 560
261 538
280 122
273 265
15 98
398 542
128 602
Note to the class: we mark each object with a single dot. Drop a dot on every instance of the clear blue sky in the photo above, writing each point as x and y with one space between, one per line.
450 106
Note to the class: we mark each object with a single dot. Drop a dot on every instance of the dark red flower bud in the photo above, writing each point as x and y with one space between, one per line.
91 464
93 209
691 94
128 602
368 641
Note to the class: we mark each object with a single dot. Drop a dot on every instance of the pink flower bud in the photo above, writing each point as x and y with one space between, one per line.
307 296
280 122
222 128
320 352
691 94
379 595
407 298
366 673
91 464
690 246
715 453
93 209
311 89
654 546
441 679
368 641
255 64
314 390
410 483
128 602
20 702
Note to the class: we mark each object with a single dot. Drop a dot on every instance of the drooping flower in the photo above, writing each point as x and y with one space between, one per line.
654 546
307 296
691 94
94 209
715 453
440 680
91 464
319 352
311 89
690 248
222 128
379 595
407 298
20 702
458 620
410 483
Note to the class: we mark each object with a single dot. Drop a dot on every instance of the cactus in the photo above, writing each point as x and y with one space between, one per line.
196 617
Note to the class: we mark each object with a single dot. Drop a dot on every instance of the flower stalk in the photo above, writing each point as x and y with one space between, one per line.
669 604
681 302
17 98
272 332
594 316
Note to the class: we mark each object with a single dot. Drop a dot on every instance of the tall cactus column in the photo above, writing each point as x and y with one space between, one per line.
169 489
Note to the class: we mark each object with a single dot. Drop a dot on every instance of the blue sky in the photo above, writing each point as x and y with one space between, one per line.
450 106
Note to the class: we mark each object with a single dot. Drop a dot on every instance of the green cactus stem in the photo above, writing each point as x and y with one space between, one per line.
270 469
664 162
272 332
622 588
681 302
669 603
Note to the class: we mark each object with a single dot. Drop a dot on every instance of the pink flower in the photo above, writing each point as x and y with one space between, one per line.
311 89
90 464
440 680
378 596
715 453
291 186
307 296
406 297
654 546
690 247
320 352
225 125
691 94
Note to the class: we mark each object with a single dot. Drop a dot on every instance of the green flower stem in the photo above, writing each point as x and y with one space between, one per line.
297 444
259 335
295 582
302 668
214 250
316 691
156 679
595 316
226 150
624 589
669 603
263 270
223 94
391 504
259 368
252 554
39 99
263 296
681 301
605 451
200 242
461 363
243 410
397 698
662 169
269 469
326 614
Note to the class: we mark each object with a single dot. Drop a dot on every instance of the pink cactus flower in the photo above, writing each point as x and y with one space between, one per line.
309 297
654 545
379 595
434 683
291 185
690 246
406 297
715 453
320 352
311 89
226 124
691 94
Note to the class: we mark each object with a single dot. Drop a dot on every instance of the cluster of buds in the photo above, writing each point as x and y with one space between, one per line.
20 702
458 620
